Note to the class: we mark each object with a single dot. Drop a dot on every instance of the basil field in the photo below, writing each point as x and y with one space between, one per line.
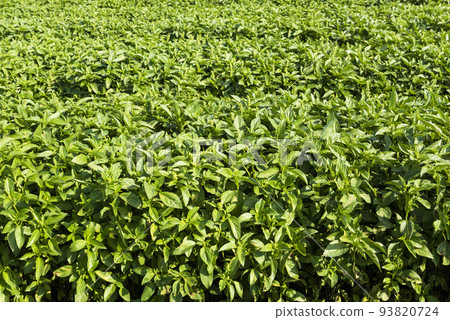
176 150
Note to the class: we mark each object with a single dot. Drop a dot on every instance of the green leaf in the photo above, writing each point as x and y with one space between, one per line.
105 276
239 288
77 245
64 271
53 247
148 276
333 278
226 172
372 255
93 87
80 159
9 186
170 199
393 97
206 255
148 291
125 294
424 202
39 267
166 253
131 199
45 154
34 237
20 238
90 260
12 242
348 200
268 173
299 174
384 213
185 246
227 196
235 226
108 82
291 269
6 275
443 249
253 277
109 291
240 252
81 295
424 252
335 249
205 277
150 190
97 244
300 248
186 195
227 246
374 246
331 128
231 291
410 246
53 219
411 275
406 228
238 123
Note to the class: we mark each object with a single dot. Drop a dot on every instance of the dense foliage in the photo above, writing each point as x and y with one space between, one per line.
364 85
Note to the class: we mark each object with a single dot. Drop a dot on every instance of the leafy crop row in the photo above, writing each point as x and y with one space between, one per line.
362 86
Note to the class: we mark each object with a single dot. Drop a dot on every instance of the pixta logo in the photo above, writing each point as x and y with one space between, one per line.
148 151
